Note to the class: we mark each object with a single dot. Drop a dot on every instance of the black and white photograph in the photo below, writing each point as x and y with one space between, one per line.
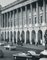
23 29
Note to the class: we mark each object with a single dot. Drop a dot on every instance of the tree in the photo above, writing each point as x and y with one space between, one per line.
45 36
18 41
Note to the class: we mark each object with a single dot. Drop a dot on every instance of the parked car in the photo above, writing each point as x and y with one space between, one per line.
43 59
3 43
1 54
43 54
10 47
34 55
21 56
29 55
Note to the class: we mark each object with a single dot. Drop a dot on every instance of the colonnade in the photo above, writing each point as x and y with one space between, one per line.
28 36
18 20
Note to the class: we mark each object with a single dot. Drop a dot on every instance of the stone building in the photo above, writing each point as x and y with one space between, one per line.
25 20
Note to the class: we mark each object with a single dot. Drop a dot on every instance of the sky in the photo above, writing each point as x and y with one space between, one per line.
6 2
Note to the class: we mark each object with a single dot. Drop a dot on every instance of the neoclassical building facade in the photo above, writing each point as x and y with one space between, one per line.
24 20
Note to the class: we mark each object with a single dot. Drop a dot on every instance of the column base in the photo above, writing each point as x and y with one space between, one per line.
30 25
25 25
43 44
36 24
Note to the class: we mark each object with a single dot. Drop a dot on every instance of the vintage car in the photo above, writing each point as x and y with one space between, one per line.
1 54
43 59
21 56
26 55
43 55
10 47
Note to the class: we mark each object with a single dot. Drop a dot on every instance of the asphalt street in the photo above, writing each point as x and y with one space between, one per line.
8 54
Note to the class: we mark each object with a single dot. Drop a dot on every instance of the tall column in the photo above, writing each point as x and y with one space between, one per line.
13 27
4 35
16 36
36 38
13 18
44 12
7 19
17 18
30 38
4 20
31 13
21 18
26 15
13 36
37 10
4 27
25 37
10 20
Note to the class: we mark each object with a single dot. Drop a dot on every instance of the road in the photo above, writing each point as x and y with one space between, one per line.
8 54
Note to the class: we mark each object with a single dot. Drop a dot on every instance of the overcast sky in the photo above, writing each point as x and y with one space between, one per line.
6 2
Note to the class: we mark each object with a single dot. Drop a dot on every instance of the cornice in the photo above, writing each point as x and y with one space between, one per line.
15 3
12 4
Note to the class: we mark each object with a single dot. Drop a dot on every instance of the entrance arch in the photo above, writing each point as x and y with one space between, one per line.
8 37
33 37
2 36
39 37
18 37
14 37
27 37
23 36
5 36
11 36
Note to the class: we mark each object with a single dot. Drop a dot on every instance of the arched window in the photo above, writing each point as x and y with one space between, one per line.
27 37
14 37
11 35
